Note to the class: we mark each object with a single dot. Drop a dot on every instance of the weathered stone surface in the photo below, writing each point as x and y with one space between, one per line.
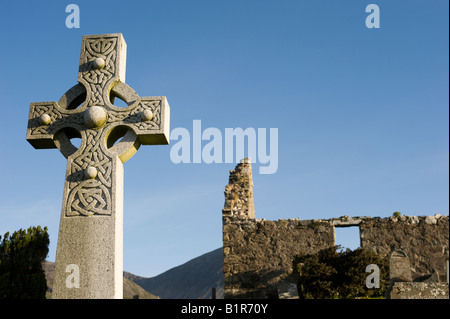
346 221
239 192
399 266
419 290
90 235
287 290
431 220
425 244
265 250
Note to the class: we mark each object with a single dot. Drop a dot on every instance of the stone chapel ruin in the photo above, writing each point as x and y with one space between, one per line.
258 253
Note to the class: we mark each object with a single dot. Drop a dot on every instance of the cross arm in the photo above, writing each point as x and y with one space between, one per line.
151 124
148 117
46 119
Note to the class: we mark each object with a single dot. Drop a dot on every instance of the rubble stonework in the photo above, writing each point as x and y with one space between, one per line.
258 253
419 290
239 192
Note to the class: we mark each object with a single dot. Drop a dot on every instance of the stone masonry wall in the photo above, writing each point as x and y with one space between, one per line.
424 239
258 253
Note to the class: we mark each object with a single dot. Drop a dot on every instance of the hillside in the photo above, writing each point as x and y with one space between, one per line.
191 280
131 290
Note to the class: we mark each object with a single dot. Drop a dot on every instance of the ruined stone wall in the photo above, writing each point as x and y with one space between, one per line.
424 239
258 253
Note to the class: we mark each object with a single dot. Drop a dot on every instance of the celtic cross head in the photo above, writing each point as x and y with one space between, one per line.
109 134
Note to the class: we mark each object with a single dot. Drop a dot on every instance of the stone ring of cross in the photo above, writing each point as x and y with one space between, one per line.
120 140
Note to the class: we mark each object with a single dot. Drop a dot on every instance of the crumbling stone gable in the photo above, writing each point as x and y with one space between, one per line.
258 253
239 192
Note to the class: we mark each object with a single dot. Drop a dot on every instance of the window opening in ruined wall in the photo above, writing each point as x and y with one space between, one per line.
348 237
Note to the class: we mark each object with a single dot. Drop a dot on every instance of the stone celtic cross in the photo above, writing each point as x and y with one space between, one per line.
89 257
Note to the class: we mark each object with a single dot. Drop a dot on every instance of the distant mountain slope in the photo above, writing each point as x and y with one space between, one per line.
191 280
131 290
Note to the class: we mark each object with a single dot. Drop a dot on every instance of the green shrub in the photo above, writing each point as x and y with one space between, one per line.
21 256
335 274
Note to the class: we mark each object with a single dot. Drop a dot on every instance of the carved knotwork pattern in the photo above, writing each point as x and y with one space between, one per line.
58 119
105 48
134 117
90 196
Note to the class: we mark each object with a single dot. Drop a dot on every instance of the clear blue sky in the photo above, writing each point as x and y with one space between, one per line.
362 114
